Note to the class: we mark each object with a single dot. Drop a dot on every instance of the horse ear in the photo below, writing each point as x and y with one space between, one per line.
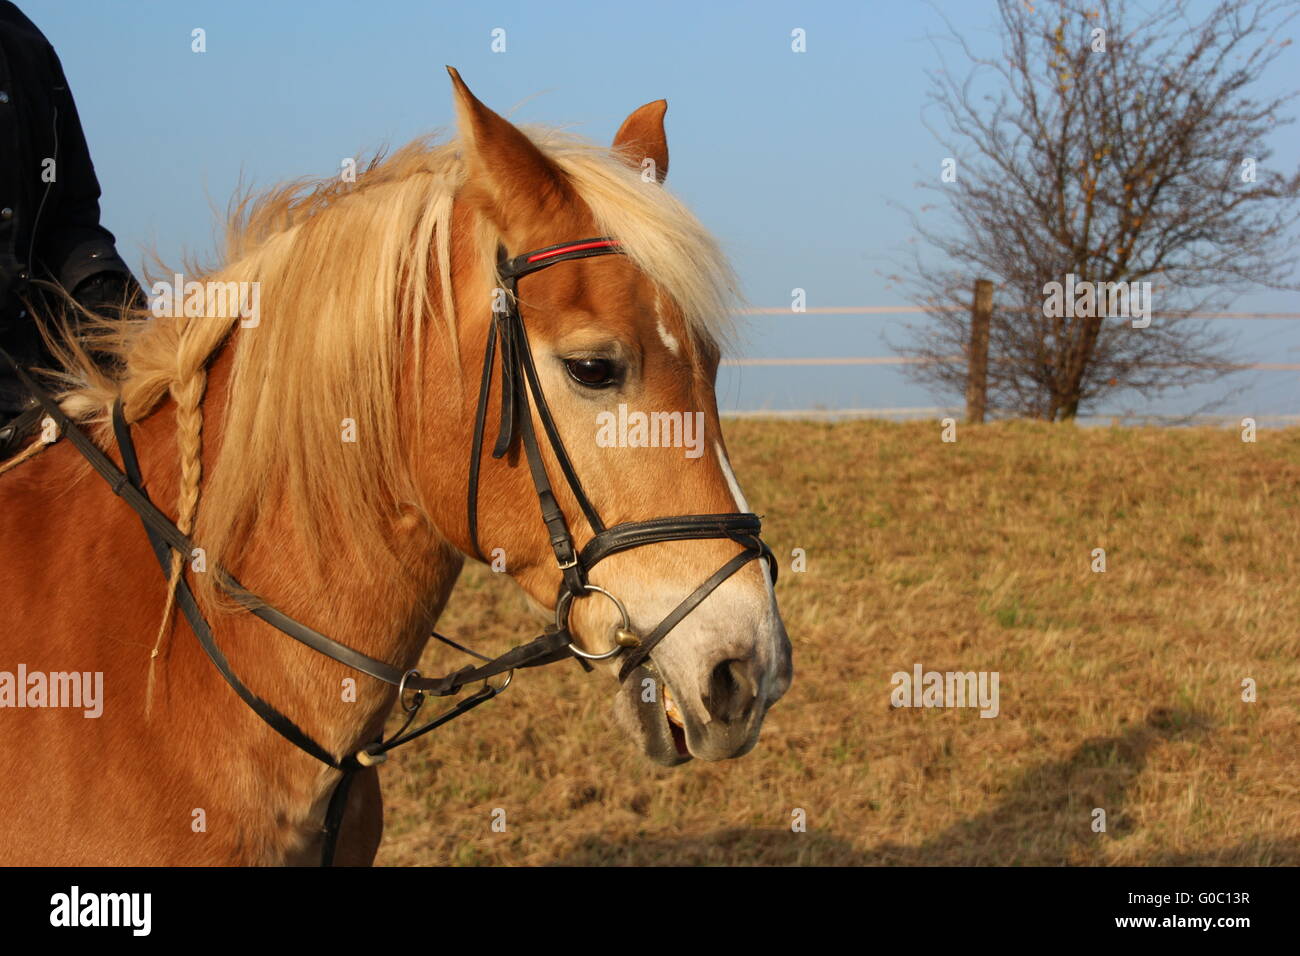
509 178
641 137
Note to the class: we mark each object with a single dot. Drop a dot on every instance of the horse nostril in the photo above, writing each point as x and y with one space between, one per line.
733 688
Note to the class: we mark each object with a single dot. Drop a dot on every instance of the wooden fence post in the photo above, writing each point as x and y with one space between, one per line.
977 370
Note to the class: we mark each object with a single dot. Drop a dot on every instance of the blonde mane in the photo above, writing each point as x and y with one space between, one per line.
353 277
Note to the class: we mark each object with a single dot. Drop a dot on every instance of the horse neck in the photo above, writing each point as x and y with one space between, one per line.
352 603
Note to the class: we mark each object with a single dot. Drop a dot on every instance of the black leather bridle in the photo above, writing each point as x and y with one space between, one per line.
518 380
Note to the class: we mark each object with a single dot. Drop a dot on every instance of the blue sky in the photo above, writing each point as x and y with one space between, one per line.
791 159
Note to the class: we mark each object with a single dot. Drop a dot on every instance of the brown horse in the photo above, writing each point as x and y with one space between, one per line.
319 451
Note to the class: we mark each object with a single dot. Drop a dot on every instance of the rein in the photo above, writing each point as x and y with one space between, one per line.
518 380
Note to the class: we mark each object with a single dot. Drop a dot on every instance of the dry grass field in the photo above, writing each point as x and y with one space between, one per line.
1119 690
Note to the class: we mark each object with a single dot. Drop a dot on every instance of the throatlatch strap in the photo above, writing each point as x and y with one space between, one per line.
509 386
476 446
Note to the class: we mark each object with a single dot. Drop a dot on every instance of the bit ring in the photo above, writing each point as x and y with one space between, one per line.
562 621
417 701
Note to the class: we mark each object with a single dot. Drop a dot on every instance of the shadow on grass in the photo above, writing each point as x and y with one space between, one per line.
1043 820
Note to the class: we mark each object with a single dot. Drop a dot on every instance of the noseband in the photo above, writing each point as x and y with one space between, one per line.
518 381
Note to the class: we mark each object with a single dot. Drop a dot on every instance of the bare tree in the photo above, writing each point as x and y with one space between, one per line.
1111 149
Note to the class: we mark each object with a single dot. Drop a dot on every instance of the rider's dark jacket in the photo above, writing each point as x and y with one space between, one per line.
49 196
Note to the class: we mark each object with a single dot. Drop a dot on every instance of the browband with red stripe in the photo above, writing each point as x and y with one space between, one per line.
541 258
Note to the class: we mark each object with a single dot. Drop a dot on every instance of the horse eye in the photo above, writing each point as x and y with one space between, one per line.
592 372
